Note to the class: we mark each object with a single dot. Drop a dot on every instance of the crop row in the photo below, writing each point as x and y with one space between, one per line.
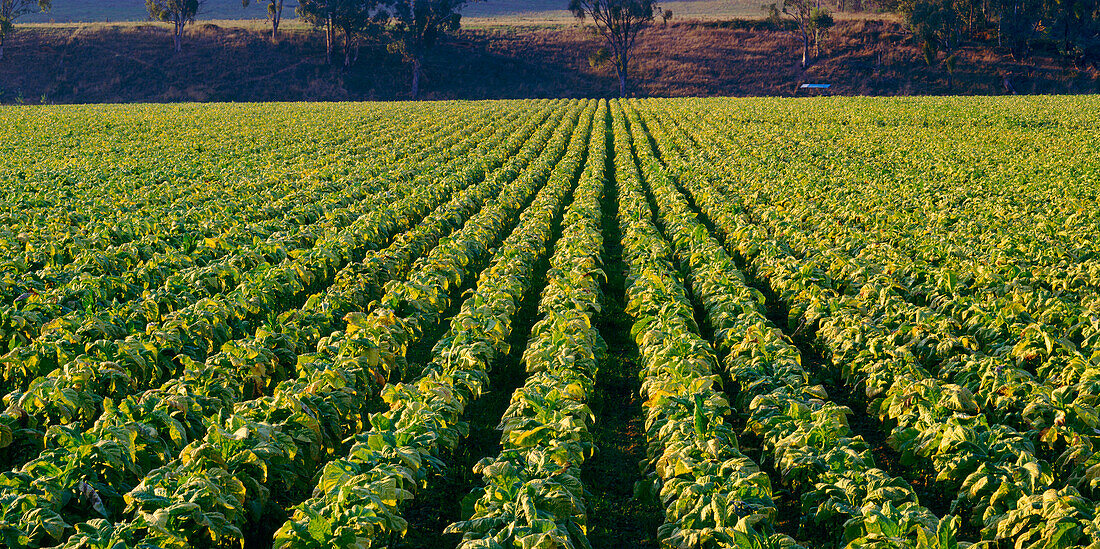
188 408
278 442
97 278
1025 347
358 499
109 185
713 494
207 334
533 495
844 495
72 395
1003 486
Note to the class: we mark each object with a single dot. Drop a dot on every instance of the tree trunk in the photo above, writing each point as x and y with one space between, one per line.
620 70
347 48
1065 38
2 37
416 78
802 24
178 36
328 40
276 18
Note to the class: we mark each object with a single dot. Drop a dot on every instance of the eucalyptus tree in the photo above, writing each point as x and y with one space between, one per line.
274 14
179 13
417 25
355 19
10 10
618 22
321 14
811 20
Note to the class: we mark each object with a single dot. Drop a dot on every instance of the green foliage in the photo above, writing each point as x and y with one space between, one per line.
316 410
821 19
10 10
1073 26
811 20
179 13
533 496
936 24
171 11
357 19
417 25
921 347
211 330
772 14
618 22
274 13
600 57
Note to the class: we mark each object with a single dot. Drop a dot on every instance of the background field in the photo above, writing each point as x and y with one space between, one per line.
488 12
134 10
553 11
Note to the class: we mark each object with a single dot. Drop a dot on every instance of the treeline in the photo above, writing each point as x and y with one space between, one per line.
1071 27
408 27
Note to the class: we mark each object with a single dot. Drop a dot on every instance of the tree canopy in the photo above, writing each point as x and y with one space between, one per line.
618 22
10 10
417 26
179 13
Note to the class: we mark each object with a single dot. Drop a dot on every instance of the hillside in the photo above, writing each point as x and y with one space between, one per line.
134 63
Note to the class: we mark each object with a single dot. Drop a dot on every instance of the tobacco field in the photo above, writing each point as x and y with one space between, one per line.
689 323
